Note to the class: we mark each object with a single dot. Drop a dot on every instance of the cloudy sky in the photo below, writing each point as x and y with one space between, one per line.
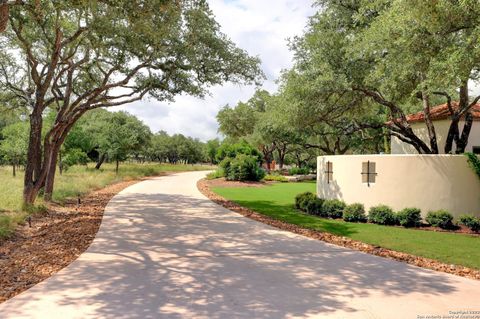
261 27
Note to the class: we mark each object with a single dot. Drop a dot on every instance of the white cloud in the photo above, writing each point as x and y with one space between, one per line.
260 27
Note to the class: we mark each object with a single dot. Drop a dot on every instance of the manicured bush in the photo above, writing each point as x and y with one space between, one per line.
224 165
309 203
471 222
440 218
242 168
333 208
382 215
354 213
299 171
410 217
302 199
314 206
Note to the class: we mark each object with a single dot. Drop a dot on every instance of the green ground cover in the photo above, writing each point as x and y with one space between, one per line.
277 201
78 180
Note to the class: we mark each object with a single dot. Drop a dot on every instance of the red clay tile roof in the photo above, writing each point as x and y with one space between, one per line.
441 112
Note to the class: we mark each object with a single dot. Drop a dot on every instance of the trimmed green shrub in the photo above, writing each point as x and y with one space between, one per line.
410 217
309 203
440 218
382 215
354 213
299 171
314 206
242 168
302 199
333 208
471 222
224 165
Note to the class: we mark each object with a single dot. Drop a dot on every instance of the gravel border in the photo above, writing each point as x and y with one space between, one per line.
204 187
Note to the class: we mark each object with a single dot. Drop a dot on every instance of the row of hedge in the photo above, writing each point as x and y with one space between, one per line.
382 214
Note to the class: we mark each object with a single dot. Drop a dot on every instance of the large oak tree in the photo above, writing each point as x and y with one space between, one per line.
73 56
398 55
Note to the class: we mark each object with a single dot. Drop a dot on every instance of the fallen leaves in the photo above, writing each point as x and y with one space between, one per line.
55 239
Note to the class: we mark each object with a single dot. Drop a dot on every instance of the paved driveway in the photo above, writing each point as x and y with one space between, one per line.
165 251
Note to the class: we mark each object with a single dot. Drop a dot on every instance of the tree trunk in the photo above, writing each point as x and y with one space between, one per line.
52 144
14 172
51 166
268 159
428 122
463 141
33 179
101 159
452 135
60 163
454 131
116 166
4 13
281 156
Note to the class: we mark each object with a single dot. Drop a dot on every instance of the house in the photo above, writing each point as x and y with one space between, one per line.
441 120
405 178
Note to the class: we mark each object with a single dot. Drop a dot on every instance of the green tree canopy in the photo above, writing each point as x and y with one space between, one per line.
396 55
75 56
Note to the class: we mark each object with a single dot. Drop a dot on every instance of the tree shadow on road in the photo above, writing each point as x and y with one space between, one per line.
196 259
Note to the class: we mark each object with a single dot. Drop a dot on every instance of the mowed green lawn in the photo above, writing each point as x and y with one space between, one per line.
78 180
277 201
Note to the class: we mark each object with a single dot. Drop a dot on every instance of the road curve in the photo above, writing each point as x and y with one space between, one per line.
165 251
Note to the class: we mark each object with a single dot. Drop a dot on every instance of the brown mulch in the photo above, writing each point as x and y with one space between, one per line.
56 238
221 182
204 187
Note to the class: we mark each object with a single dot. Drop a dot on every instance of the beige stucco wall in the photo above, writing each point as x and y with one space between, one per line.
428 182
441 128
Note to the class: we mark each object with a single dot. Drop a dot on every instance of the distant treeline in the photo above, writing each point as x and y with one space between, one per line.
102 136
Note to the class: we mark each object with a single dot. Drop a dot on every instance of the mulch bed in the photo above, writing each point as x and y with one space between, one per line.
204 187
221 182
56 238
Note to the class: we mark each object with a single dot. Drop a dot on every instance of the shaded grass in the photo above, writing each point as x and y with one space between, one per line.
277 201
77 181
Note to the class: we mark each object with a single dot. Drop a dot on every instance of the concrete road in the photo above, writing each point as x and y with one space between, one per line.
165 251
